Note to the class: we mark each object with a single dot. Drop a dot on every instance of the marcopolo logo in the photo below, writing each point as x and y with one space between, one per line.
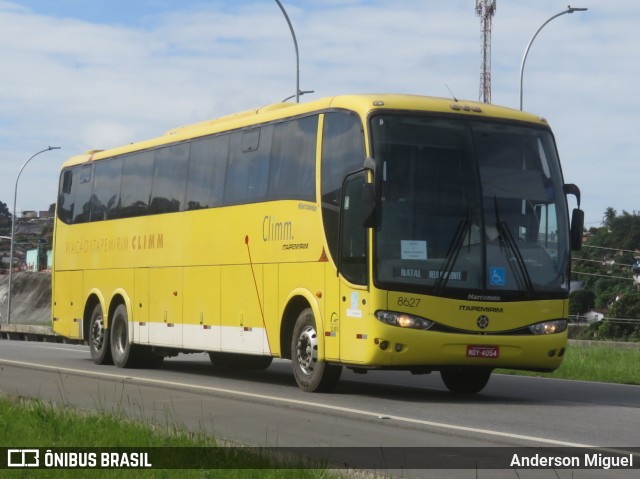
482 322
23 458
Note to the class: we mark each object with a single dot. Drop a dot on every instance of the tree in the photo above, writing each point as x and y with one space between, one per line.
4 211
581 301
604 268
617 325
625 231
609 216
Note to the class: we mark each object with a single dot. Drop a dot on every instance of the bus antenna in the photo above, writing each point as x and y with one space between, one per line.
452 95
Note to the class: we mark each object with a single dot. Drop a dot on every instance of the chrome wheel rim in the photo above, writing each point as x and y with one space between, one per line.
97 333
307 350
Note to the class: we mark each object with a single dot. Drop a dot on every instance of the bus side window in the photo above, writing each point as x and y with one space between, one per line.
82 195
207 167
106 189
137 175
169 179
342 152
67 181
248 167
293 160
65 198
353 248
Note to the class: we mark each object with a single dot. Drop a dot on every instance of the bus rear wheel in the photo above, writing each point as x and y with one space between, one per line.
465 380
312 375
124 354
99 338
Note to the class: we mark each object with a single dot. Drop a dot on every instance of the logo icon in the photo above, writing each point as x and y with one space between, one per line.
23 457
483 322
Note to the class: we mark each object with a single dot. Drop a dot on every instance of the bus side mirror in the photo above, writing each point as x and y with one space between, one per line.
577 225
571 189
577 217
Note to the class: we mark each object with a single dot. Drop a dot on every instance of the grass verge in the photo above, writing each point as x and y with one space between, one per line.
32 423
600 363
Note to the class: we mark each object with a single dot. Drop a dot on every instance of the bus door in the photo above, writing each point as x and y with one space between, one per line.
353 271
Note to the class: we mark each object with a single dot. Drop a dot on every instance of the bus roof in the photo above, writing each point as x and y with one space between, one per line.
363 104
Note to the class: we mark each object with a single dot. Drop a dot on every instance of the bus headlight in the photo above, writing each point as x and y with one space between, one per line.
403 320
549 327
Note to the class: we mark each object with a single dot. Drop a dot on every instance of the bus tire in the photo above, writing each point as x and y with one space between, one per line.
124 354
99 344
465 380
311 374
243 362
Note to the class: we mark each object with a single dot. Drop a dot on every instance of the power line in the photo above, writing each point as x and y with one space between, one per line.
603 275
602 263
623 320
632 321
611 249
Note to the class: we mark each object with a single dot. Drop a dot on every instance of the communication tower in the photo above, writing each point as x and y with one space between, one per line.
485 10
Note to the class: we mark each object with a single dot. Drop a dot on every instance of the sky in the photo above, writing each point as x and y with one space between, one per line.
97 74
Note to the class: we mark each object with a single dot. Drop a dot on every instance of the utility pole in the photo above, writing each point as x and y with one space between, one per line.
569 9
485 9
13 227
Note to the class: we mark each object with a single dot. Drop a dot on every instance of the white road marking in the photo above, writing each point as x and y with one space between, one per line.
355 412
44 345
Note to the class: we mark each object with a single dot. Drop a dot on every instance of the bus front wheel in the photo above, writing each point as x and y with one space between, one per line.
99 338
465 380
312 375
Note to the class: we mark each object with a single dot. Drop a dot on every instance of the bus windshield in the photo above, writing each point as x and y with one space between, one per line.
469 207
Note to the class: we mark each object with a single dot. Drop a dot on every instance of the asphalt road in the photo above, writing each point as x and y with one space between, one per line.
380 409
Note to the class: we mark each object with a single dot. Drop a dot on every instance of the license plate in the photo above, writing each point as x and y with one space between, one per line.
483 351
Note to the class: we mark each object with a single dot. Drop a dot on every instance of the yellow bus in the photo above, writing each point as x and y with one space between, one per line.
367 231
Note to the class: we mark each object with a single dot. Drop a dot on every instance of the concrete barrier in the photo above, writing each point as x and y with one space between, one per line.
33 332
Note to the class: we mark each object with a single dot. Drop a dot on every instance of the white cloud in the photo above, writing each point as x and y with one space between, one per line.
73 81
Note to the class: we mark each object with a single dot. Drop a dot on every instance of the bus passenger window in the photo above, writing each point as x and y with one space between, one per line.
65 198
293 160
82 195
169 179
207 167
137 173
248 168
106 189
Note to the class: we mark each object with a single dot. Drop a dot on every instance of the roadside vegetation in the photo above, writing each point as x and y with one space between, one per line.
606 266
600 363
34 424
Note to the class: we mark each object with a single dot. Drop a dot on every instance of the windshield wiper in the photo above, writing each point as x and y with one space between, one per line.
453 252
508 242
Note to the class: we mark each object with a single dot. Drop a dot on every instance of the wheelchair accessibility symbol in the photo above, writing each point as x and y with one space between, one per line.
497 276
